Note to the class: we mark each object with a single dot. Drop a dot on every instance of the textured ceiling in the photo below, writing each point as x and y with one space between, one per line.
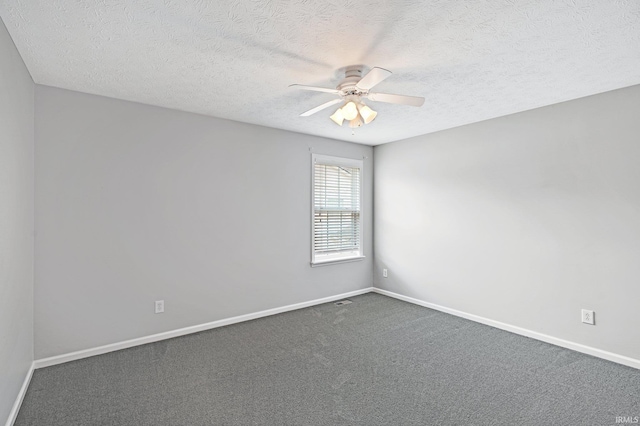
471 60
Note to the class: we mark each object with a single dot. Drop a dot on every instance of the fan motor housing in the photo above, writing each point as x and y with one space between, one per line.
347 86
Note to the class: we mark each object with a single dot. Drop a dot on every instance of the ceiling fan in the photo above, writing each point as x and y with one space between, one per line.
351 90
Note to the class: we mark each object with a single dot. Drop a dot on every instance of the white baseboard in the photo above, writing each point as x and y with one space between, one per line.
59 359
13 414
599 353
85 353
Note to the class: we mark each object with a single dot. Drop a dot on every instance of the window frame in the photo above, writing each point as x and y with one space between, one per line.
337 258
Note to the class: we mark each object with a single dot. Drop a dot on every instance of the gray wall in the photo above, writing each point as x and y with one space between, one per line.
137 203
523 219
16 222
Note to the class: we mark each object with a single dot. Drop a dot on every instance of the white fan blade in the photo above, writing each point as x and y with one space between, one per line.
373 77
321 107
315 89
396 99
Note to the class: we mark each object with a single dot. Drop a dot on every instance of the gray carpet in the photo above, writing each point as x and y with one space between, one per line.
377 361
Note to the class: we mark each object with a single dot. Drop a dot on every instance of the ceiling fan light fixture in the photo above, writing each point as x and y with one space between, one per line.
356 122
367 113
350 111
338 117
352 90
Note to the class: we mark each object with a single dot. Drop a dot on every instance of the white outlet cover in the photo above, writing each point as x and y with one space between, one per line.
588 317
385 273
159 306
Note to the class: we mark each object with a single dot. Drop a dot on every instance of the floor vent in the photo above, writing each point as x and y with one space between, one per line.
343 302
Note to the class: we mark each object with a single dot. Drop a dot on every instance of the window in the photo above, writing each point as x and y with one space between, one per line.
337 217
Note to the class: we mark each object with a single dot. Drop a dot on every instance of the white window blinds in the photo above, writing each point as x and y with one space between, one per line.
336 209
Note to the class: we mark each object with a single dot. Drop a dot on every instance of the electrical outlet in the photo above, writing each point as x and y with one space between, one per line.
588 317
385 273
159 306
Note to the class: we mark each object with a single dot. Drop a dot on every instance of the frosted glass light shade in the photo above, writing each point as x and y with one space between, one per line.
367 113
356 122
349 111
337 117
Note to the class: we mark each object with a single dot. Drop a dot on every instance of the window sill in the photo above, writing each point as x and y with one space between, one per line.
334 261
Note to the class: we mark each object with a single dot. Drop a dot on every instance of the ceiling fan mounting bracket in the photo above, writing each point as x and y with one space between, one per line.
351 71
